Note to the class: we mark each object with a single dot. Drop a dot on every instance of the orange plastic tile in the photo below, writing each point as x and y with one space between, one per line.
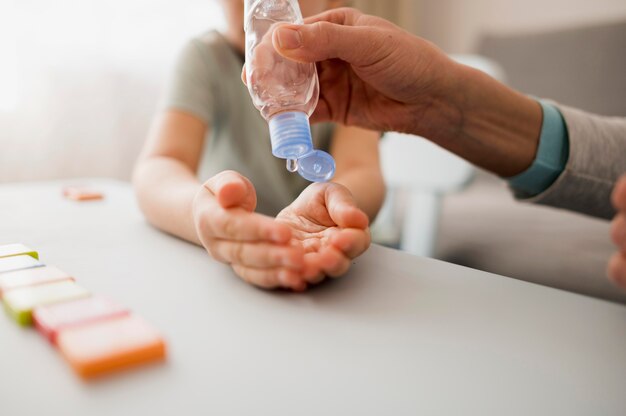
31 277
110 345
82 193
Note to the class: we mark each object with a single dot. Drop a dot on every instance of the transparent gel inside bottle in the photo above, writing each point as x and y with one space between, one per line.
284 91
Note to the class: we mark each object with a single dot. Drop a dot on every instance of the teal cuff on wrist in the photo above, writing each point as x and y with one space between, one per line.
552 155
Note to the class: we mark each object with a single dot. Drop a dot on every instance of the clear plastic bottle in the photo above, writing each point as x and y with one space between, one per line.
285 92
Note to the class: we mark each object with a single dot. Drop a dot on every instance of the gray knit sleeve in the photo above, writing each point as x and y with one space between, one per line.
191 87
597 160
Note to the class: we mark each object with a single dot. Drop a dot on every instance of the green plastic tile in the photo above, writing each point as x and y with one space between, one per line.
19 303
10 250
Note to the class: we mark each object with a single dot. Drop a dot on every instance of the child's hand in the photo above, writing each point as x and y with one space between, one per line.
333 231
259 249
617 266
316 236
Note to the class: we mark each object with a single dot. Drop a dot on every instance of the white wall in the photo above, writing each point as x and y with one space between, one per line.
80 80
403 12
455 25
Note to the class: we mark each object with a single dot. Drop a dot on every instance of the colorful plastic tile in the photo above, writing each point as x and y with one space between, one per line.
10 250
110 345
9 264
81 193
19 303
52 319
31 277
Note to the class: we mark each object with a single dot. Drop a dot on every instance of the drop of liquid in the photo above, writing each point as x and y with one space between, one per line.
292 165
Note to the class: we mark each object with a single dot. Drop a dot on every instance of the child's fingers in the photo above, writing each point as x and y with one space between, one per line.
335 258
232 190
352 242
333 262
343 209
271 278
240 225
257 255
312 272
214 222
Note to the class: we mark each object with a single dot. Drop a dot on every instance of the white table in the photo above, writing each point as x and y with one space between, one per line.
399 335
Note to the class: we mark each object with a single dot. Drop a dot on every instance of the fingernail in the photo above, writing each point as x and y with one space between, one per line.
289 38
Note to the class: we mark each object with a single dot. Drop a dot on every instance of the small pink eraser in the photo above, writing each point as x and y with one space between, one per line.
52 319
82 193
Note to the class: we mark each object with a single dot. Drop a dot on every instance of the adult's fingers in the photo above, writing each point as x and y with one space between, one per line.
347 16
231 189
617 269
619 195
324 40
271 278
257 255
618 232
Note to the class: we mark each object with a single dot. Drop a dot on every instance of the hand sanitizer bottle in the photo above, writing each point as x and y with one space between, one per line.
285 92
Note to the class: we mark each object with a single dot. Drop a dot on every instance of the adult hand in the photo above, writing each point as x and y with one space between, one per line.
314 237
333 231
375 75
372 73
617 265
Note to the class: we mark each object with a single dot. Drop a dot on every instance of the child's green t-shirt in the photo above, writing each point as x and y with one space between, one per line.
206 82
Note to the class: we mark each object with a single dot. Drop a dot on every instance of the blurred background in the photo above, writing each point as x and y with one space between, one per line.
81 79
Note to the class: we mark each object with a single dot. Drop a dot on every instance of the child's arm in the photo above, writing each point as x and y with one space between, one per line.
165 175
358 167
218 214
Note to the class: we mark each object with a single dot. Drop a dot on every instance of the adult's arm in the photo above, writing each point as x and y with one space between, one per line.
617 265
597 158
394 80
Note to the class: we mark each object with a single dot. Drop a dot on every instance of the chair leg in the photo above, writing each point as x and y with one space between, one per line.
421 223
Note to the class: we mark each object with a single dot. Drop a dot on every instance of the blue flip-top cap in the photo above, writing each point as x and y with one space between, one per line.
317 166
290 133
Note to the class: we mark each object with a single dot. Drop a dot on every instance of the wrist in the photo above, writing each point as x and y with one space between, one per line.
551 158
490 124
198 210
